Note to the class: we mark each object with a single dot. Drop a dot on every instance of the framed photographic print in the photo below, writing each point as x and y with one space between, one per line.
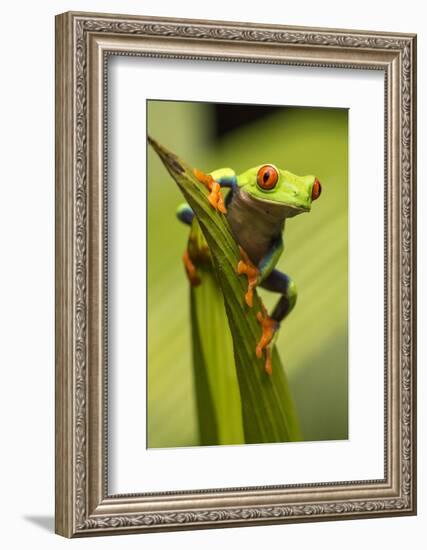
235 274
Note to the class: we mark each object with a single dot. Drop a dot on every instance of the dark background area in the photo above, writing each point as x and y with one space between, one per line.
232 116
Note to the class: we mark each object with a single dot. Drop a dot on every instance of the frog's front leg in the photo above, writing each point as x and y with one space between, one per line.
215 197
224 177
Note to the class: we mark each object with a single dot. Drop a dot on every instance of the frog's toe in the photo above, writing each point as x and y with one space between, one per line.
246 267
190 269
215 197
269 328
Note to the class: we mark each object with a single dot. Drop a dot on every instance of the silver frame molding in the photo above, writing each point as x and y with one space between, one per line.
83 43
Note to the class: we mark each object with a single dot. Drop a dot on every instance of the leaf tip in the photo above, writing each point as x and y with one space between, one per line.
171 161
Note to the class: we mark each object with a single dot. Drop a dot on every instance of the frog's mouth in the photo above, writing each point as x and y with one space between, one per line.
276 207
291 211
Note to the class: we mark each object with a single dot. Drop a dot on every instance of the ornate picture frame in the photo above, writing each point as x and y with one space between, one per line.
84 42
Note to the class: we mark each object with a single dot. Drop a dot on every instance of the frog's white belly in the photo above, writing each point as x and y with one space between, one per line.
255 224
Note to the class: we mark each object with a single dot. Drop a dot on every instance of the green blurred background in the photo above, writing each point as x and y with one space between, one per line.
313 340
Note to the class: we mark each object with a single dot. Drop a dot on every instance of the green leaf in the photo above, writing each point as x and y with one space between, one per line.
267 408
206 414
215 375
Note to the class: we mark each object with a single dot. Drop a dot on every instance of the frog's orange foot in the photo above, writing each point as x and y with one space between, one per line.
246 267
269 327
215 197
190 269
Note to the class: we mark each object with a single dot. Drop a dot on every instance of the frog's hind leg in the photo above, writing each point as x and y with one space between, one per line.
190 269
283 284
185 214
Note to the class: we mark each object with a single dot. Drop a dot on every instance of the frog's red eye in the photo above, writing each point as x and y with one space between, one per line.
267 177
316 190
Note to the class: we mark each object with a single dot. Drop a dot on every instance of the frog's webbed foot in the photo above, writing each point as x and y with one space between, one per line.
248 268
269 328
215 197
190 269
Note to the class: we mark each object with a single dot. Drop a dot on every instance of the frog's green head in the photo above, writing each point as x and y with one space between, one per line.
269 184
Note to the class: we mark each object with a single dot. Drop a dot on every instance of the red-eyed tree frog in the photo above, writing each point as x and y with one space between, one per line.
256 207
